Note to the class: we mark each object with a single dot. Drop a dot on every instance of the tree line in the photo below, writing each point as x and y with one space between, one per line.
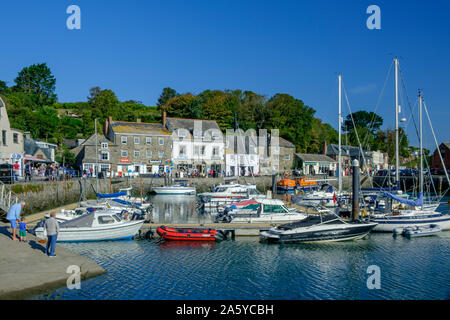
33 106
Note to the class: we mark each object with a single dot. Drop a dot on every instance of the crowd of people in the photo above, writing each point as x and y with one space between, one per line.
51 172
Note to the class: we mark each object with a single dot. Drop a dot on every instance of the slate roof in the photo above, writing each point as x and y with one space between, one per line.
285 143
314 157
30 147
209 126
139 128
333 150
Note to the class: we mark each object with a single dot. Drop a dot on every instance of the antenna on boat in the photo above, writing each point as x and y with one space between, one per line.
397 160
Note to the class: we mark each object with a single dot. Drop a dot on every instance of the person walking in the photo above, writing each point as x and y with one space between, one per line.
52 228
28 171
13 217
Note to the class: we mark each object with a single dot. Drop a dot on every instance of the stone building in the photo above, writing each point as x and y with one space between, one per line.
11 140
444 150
143 148
86 158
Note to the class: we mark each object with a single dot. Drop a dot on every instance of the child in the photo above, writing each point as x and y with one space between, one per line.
23 230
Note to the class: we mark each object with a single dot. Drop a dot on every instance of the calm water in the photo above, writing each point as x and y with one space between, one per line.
246 269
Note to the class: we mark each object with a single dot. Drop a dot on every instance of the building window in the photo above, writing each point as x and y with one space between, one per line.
161 154
15 138
104 155
137 153
161 141
182 150
124 153
149 153
287 157
104 167
215 151
4 137
124 140
148 140
181 133
196 150
202 150
137 140
104 145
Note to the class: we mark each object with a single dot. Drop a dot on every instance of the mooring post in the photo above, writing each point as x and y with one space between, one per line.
274 186
355 204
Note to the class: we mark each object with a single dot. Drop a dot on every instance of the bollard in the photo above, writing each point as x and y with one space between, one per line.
355 204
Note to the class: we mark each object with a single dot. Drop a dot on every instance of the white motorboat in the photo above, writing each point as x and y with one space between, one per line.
226 194
264 211
318 228
95 226
175 189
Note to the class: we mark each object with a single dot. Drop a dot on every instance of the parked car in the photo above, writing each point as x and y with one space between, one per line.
6 173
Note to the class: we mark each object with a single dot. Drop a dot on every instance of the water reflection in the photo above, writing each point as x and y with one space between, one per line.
177 209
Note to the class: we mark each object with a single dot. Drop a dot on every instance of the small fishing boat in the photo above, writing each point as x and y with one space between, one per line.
286 186
416 231
95 226
187 234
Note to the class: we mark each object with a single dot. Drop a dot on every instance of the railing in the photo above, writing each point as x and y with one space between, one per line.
7 197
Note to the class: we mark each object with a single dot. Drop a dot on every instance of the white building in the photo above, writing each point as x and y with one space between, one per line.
197 145
241 154
11 140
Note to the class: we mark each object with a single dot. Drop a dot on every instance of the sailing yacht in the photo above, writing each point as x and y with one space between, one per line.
411 213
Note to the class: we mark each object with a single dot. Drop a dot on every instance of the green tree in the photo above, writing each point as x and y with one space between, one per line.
38 80
103 103
3 87
167 94
292 118
180 106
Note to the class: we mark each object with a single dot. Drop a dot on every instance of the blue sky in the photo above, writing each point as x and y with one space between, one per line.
136 48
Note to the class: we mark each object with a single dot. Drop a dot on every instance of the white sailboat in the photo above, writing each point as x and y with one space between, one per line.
412 213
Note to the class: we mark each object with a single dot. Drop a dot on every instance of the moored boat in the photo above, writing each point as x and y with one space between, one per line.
187 234
95 226
318 228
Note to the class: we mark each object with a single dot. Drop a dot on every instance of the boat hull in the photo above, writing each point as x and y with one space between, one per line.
321 234
193 234
389 224
107 233
164 190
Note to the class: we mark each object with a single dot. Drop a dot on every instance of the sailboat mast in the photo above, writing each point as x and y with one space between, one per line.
421 148
397 160
340 125
96 154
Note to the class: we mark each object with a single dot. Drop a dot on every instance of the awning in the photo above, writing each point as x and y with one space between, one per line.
36 159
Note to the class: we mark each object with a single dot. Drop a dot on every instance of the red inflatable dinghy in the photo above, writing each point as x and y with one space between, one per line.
189 234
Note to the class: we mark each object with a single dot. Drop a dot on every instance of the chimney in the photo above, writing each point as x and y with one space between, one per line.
324 147
164 116
138 120
107 123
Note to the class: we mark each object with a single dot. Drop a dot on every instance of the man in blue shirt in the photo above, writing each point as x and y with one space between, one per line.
13 217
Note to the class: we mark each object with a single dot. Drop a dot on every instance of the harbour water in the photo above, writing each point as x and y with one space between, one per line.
246 269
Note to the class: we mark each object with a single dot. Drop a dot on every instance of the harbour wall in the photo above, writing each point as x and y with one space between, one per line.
41 196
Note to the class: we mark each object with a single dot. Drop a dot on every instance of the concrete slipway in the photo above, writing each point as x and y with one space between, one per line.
26 271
